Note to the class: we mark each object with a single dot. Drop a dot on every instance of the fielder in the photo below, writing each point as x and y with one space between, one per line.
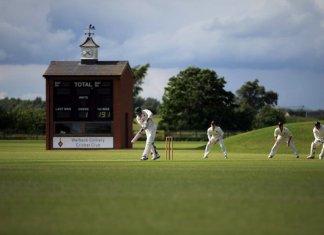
144 118
318 132
281 133
215 134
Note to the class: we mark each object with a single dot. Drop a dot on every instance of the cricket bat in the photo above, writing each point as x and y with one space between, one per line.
136 137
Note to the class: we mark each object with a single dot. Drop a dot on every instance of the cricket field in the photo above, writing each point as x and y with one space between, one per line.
112 192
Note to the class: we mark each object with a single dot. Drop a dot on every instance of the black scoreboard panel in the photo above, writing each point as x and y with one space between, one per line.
83 100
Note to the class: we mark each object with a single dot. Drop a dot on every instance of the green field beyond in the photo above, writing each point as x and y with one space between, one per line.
113 192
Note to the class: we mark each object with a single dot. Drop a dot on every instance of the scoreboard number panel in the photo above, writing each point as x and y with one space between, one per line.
83 100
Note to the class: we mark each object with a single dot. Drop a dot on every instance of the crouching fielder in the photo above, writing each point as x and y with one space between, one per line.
280 134
318 132
144 118
215 134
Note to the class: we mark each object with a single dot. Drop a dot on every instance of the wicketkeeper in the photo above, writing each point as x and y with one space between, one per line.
318 132
215 135
144 118
281 133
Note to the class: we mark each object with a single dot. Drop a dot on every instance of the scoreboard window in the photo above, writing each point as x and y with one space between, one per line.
97 128
83 91
62 88
83 100
103 91
63 91
63 114
83 107
66 128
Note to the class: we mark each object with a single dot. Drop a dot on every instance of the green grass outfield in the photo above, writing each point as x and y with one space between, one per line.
112 192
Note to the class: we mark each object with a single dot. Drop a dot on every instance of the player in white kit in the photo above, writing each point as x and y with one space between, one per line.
280 134
144 118
318 132
215 135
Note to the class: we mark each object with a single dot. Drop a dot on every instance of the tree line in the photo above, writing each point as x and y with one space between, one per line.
191 100
22 116
196 96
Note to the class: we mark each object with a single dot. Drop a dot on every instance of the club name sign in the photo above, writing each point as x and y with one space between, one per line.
82 114
82 100
83 142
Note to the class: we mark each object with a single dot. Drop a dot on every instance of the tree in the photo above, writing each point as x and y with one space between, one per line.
138 101
256 96
148 103
5 122
193 98
152 104
268 116
251 98
139 73
22 116
244 117
29 120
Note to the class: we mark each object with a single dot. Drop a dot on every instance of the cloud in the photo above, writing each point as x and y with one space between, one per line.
27 37
3 95
3 55
287 36
22 81
283 34
230 34
296 88
248 36
156 80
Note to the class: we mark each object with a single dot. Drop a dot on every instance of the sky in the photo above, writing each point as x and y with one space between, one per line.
278 42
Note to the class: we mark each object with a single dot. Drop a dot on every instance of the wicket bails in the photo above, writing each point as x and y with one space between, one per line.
169 148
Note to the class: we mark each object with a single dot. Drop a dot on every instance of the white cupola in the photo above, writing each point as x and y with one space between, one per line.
89 49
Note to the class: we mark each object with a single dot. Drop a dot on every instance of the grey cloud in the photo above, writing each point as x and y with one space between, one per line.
271 34
287 37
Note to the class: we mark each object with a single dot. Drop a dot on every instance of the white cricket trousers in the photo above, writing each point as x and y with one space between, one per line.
150 136
277 145
212 142
315 144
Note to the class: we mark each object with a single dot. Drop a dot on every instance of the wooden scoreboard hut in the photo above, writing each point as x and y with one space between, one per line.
89 102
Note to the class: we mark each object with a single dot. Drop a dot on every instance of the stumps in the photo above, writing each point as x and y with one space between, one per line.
169 148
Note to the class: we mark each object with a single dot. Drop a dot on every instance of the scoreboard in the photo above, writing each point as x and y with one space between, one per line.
83 101
89 104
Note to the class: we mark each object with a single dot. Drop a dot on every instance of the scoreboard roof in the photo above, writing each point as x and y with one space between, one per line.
76 68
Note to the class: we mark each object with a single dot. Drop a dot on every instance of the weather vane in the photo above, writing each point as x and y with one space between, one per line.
91 28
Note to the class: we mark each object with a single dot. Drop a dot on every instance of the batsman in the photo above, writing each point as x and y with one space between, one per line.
144 119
